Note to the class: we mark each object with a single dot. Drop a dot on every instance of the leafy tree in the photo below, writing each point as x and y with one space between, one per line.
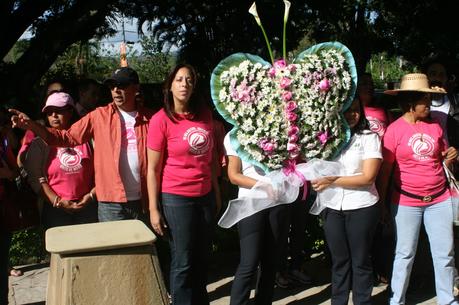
55 25
420 29
385 68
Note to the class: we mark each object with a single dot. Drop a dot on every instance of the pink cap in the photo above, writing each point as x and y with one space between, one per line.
58 99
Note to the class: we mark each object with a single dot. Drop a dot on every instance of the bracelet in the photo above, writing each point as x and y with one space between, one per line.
56 200
42 180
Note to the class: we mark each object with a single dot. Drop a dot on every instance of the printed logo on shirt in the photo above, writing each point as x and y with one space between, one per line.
70 158
198 139
422 145
376 125
129 138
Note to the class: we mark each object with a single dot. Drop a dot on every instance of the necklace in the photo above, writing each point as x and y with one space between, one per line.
416 130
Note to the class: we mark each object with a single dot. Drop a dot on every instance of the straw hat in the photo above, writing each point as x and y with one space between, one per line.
417 82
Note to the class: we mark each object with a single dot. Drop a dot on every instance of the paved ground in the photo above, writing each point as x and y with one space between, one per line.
30 288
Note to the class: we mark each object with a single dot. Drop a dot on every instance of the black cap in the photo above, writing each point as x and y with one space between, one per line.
123 76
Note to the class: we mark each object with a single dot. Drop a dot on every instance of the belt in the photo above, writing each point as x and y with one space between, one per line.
425 199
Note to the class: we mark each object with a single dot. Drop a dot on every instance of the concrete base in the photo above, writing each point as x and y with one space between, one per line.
113 277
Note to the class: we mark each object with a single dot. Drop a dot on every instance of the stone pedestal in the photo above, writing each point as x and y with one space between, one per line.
112 263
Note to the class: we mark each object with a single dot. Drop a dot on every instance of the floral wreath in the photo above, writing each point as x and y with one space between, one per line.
285 113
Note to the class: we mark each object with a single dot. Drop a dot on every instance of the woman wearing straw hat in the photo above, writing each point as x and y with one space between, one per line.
414 148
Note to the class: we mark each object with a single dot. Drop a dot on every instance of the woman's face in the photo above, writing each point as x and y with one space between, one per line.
59 117
353 114
422 108
182 85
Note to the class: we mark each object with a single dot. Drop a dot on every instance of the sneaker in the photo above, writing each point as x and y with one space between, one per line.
299 276
281 280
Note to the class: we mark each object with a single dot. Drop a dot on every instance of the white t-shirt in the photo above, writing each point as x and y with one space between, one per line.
129 157
362 146
439 112
248 169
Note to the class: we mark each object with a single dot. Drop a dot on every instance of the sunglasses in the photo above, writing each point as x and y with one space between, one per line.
121 86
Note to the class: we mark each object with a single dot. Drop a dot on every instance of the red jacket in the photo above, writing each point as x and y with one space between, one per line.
103 125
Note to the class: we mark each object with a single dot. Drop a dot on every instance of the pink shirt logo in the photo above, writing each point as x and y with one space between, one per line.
198 139
422 145
376 125
129 138
70 158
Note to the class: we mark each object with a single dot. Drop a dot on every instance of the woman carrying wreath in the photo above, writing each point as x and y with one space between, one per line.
182 185
350 223
63 175
414 149
262 236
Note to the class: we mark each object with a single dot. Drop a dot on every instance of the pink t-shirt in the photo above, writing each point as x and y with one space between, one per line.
187 147
71 171
377 118
416 150
26 140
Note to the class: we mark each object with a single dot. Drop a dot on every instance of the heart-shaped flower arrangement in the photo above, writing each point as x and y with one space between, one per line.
284 113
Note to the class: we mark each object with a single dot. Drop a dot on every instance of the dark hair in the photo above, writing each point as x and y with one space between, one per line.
434 60
407 100
193 103
363 123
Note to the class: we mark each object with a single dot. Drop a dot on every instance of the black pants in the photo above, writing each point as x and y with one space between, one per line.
349 237
262 238
5 241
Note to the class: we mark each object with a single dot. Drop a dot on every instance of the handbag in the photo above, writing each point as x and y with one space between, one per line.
454 190
18 207
452 182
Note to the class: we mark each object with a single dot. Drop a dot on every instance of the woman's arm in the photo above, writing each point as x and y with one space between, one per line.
235 173
370 169
154 167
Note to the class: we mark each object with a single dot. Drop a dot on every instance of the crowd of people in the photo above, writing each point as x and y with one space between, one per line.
91 162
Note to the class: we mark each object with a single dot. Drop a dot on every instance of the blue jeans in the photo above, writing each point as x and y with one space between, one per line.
112 211
438 222
191 222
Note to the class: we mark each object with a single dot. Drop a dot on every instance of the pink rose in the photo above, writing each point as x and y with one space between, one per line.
285 82
268 146
293 138
323 137
292 68
272 72
279 64
294 154
293 130
324 85
291 116
290 106
286 95
292 147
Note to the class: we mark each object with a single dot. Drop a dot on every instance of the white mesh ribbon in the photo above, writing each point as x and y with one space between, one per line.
282 189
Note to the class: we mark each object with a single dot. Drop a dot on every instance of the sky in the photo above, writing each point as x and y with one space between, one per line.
112 44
